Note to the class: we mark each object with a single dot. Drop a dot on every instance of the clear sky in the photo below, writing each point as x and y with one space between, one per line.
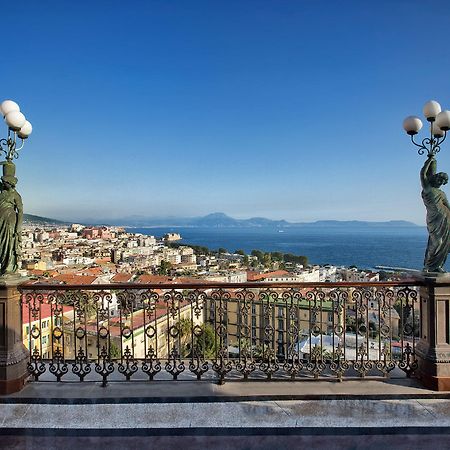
284 109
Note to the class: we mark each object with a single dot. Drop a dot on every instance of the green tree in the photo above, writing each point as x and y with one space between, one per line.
259 254
164 268
206 342
222 250
114 350
277 256
267 260
239 252
245 261
297 259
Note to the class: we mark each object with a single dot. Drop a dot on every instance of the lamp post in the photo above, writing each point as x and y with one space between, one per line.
11 209
13 354
433 349
439 125
18 127
435 200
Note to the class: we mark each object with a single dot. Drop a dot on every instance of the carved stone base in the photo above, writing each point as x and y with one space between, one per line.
13 354
433 349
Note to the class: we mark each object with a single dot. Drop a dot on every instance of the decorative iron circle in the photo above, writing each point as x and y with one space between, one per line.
197 330
221 330
126 332
35 332
315 331
339 329
150 331
103 332
362 329
408 329
174 331
385 329
80 333
245 330
57 333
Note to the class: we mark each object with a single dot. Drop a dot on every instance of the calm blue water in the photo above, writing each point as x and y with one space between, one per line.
362 247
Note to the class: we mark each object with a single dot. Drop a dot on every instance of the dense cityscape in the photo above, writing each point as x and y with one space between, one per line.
103 254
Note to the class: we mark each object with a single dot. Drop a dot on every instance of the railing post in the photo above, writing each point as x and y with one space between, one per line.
433 349
13 354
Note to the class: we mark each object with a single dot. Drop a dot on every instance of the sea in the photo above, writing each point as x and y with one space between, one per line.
365 247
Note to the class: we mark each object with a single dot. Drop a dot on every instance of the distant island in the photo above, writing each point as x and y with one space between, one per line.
221 220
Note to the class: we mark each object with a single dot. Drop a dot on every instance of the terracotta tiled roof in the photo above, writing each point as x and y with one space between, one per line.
154 279
254 276
46 312
91 271
161 279
75 279
121 278
103 260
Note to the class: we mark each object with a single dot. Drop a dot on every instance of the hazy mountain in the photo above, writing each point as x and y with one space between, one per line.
219 220
38 220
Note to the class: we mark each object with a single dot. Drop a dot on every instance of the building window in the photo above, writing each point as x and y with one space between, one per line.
281 324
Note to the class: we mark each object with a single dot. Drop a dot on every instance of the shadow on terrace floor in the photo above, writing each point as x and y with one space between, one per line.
169 391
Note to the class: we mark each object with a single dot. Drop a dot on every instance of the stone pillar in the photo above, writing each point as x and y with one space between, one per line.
433 349
13 354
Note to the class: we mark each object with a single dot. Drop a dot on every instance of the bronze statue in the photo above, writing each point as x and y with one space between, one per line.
11 214
438 216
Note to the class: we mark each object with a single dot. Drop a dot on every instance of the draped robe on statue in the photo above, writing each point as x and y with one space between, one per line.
8 225
438 224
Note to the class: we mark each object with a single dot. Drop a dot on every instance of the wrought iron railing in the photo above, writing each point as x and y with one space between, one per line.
220 330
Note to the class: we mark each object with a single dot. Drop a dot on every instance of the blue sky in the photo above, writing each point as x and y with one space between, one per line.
283 109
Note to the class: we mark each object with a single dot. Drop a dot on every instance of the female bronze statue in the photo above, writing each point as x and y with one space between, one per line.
438 216
11 214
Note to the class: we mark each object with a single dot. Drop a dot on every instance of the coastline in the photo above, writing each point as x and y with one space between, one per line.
362 247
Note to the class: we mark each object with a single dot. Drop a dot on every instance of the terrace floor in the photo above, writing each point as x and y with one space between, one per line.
255 414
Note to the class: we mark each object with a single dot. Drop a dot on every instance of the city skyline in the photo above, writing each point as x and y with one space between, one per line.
287 111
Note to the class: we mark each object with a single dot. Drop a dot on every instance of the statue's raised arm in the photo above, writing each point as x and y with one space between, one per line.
427 172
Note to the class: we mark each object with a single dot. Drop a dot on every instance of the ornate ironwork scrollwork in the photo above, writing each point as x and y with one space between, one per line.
278 331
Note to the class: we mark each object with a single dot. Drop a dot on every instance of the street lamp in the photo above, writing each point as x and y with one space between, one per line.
11 208
435 200
18 127
439 125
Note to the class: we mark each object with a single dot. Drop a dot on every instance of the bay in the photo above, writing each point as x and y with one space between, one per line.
364 247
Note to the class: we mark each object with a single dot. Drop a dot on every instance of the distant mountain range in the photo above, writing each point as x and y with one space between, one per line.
221 220
38 220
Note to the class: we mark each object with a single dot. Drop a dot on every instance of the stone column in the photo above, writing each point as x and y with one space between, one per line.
433 349
13 354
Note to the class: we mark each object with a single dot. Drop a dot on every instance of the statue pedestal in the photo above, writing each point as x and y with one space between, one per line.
433 349
13 354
